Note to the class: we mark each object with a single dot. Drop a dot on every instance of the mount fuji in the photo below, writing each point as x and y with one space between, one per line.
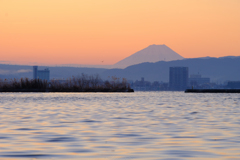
152 53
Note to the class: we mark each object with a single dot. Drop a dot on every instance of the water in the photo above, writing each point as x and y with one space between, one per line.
140 125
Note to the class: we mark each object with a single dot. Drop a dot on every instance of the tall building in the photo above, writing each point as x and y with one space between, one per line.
41 74
178 78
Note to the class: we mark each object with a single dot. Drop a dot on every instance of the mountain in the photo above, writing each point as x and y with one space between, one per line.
217 69
152 53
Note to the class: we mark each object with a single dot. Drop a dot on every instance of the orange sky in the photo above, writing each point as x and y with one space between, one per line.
92 31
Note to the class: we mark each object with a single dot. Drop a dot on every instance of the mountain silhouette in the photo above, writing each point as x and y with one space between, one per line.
152 53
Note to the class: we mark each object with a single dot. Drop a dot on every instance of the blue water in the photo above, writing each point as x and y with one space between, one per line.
140 125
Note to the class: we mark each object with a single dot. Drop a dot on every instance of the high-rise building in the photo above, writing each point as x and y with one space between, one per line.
178 78
41 74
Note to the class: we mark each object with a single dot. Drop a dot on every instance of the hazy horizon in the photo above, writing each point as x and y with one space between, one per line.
85 65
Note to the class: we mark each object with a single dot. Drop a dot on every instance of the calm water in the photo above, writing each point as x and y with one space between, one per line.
140 125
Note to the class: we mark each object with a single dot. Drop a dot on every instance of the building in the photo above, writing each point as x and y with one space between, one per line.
233 84
35 70
197 79
178 78
41 74
141 85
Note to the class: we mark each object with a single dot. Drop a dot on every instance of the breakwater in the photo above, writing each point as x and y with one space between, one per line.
212 91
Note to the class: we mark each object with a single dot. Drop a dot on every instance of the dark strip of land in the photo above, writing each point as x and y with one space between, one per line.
212 91
66 90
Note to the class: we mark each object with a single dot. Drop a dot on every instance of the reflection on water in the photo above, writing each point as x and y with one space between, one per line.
140 125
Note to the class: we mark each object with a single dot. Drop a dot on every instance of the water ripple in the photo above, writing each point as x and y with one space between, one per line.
140 125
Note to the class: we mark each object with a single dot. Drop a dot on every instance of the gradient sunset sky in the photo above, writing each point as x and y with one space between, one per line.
106 31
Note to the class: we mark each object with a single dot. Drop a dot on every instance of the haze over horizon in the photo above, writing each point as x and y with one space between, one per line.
105 32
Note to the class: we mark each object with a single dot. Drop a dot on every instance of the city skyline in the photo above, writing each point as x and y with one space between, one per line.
105 32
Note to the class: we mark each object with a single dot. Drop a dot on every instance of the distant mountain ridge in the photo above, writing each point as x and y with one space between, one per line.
152 53
218 69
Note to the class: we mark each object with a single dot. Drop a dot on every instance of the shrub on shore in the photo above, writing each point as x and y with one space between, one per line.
80 83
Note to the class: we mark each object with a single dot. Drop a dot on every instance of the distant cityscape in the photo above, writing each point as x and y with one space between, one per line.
179 80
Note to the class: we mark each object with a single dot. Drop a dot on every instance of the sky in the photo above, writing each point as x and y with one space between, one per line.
107 31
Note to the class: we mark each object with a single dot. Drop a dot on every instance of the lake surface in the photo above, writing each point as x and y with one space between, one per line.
140 125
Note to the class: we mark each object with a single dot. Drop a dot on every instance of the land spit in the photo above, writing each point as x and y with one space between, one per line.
212 91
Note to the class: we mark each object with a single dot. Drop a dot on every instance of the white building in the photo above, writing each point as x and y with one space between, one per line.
41 74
